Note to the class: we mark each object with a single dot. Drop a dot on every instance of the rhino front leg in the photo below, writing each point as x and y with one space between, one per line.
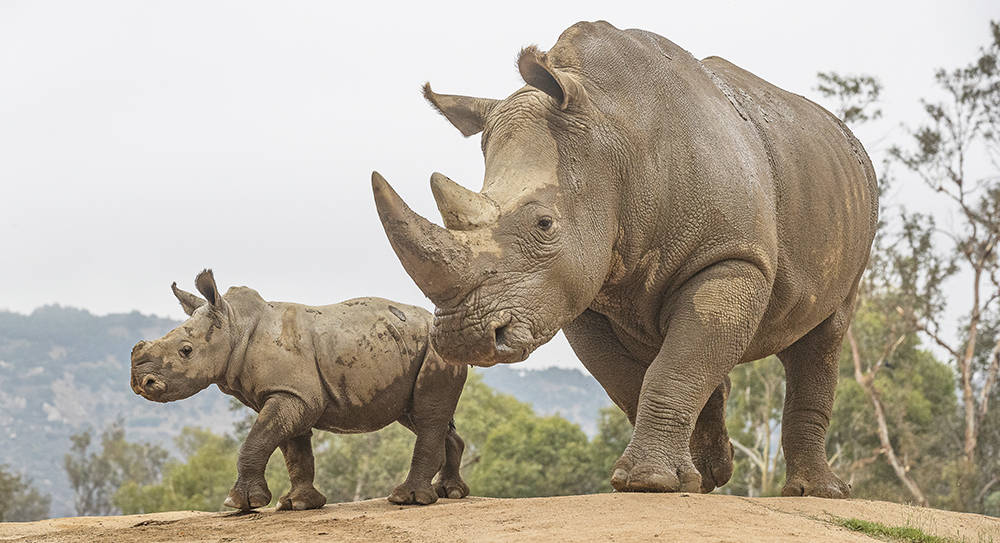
621 375
298 455
282 417
435 396
710 323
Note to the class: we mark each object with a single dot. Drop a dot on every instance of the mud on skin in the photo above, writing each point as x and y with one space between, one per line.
351 367
675 218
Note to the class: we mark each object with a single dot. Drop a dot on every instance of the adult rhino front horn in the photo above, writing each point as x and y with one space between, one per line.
675 218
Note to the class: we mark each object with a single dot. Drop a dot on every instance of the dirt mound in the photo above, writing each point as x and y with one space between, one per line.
604 517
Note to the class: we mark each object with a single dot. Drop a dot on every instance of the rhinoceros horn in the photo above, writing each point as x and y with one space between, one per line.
461 208
436 259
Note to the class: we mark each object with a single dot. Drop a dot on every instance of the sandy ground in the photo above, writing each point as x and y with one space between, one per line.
603 517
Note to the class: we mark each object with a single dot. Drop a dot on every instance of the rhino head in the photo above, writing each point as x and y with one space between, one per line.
526 255
190 357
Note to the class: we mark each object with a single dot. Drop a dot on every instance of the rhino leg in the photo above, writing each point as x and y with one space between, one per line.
301 470
621 375
599 350
711 450
281 418
811 368
711 322
435 396
449 483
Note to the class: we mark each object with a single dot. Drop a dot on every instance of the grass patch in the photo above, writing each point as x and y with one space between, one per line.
907 534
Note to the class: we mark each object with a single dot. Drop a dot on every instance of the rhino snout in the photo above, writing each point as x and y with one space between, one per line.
137 349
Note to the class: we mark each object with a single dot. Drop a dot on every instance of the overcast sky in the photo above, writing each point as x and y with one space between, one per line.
143 141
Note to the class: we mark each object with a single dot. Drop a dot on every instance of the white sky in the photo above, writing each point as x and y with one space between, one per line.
143 141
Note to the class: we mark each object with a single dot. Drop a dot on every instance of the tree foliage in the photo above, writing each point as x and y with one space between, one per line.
855 96
19 500
97 476
754 424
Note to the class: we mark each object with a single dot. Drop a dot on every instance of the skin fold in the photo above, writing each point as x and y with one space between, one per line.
351 367
675 218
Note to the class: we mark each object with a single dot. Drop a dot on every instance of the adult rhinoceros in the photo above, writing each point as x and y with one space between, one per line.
675 218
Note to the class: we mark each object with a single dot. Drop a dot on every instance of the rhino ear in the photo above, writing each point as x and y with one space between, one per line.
205 282
188 301
537 71
468 114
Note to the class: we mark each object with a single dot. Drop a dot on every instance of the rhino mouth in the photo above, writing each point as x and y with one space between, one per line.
504 340
150 387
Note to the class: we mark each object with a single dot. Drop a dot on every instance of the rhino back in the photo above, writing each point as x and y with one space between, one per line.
827 198
368 353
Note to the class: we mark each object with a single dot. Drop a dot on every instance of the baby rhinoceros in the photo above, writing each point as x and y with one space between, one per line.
351 367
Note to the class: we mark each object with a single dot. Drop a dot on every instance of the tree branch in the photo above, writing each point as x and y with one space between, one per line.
753 456
991 379
866 381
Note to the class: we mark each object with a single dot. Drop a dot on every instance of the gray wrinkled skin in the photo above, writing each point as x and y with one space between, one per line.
675 218
351 367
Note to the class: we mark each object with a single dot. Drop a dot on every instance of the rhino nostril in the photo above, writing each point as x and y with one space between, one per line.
500 337
148 382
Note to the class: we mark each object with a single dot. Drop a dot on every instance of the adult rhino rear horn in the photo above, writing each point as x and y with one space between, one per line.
437 259
461 208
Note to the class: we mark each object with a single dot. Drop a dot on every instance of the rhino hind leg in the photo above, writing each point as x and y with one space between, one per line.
301 470
710 447
438 447
449 482
811 368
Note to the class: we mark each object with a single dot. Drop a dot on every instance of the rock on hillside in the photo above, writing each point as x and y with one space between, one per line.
602 517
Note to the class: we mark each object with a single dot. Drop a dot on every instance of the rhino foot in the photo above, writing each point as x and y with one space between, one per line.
412 494
634 473
715 466
821 483
299 499
451 488
247 496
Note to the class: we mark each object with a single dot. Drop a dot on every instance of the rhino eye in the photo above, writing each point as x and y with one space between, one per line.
545 223
185 351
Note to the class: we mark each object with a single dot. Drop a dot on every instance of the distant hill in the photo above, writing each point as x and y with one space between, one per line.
64 369
574 395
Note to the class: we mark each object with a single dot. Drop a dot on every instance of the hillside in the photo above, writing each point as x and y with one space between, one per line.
569 393
63 370
601 517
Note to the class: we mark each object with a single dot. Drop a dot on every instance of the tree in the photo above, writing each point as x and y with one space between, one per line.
201 481
95 477
938 155
613 434
893 426
527 455
754 424
855 95
19 500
